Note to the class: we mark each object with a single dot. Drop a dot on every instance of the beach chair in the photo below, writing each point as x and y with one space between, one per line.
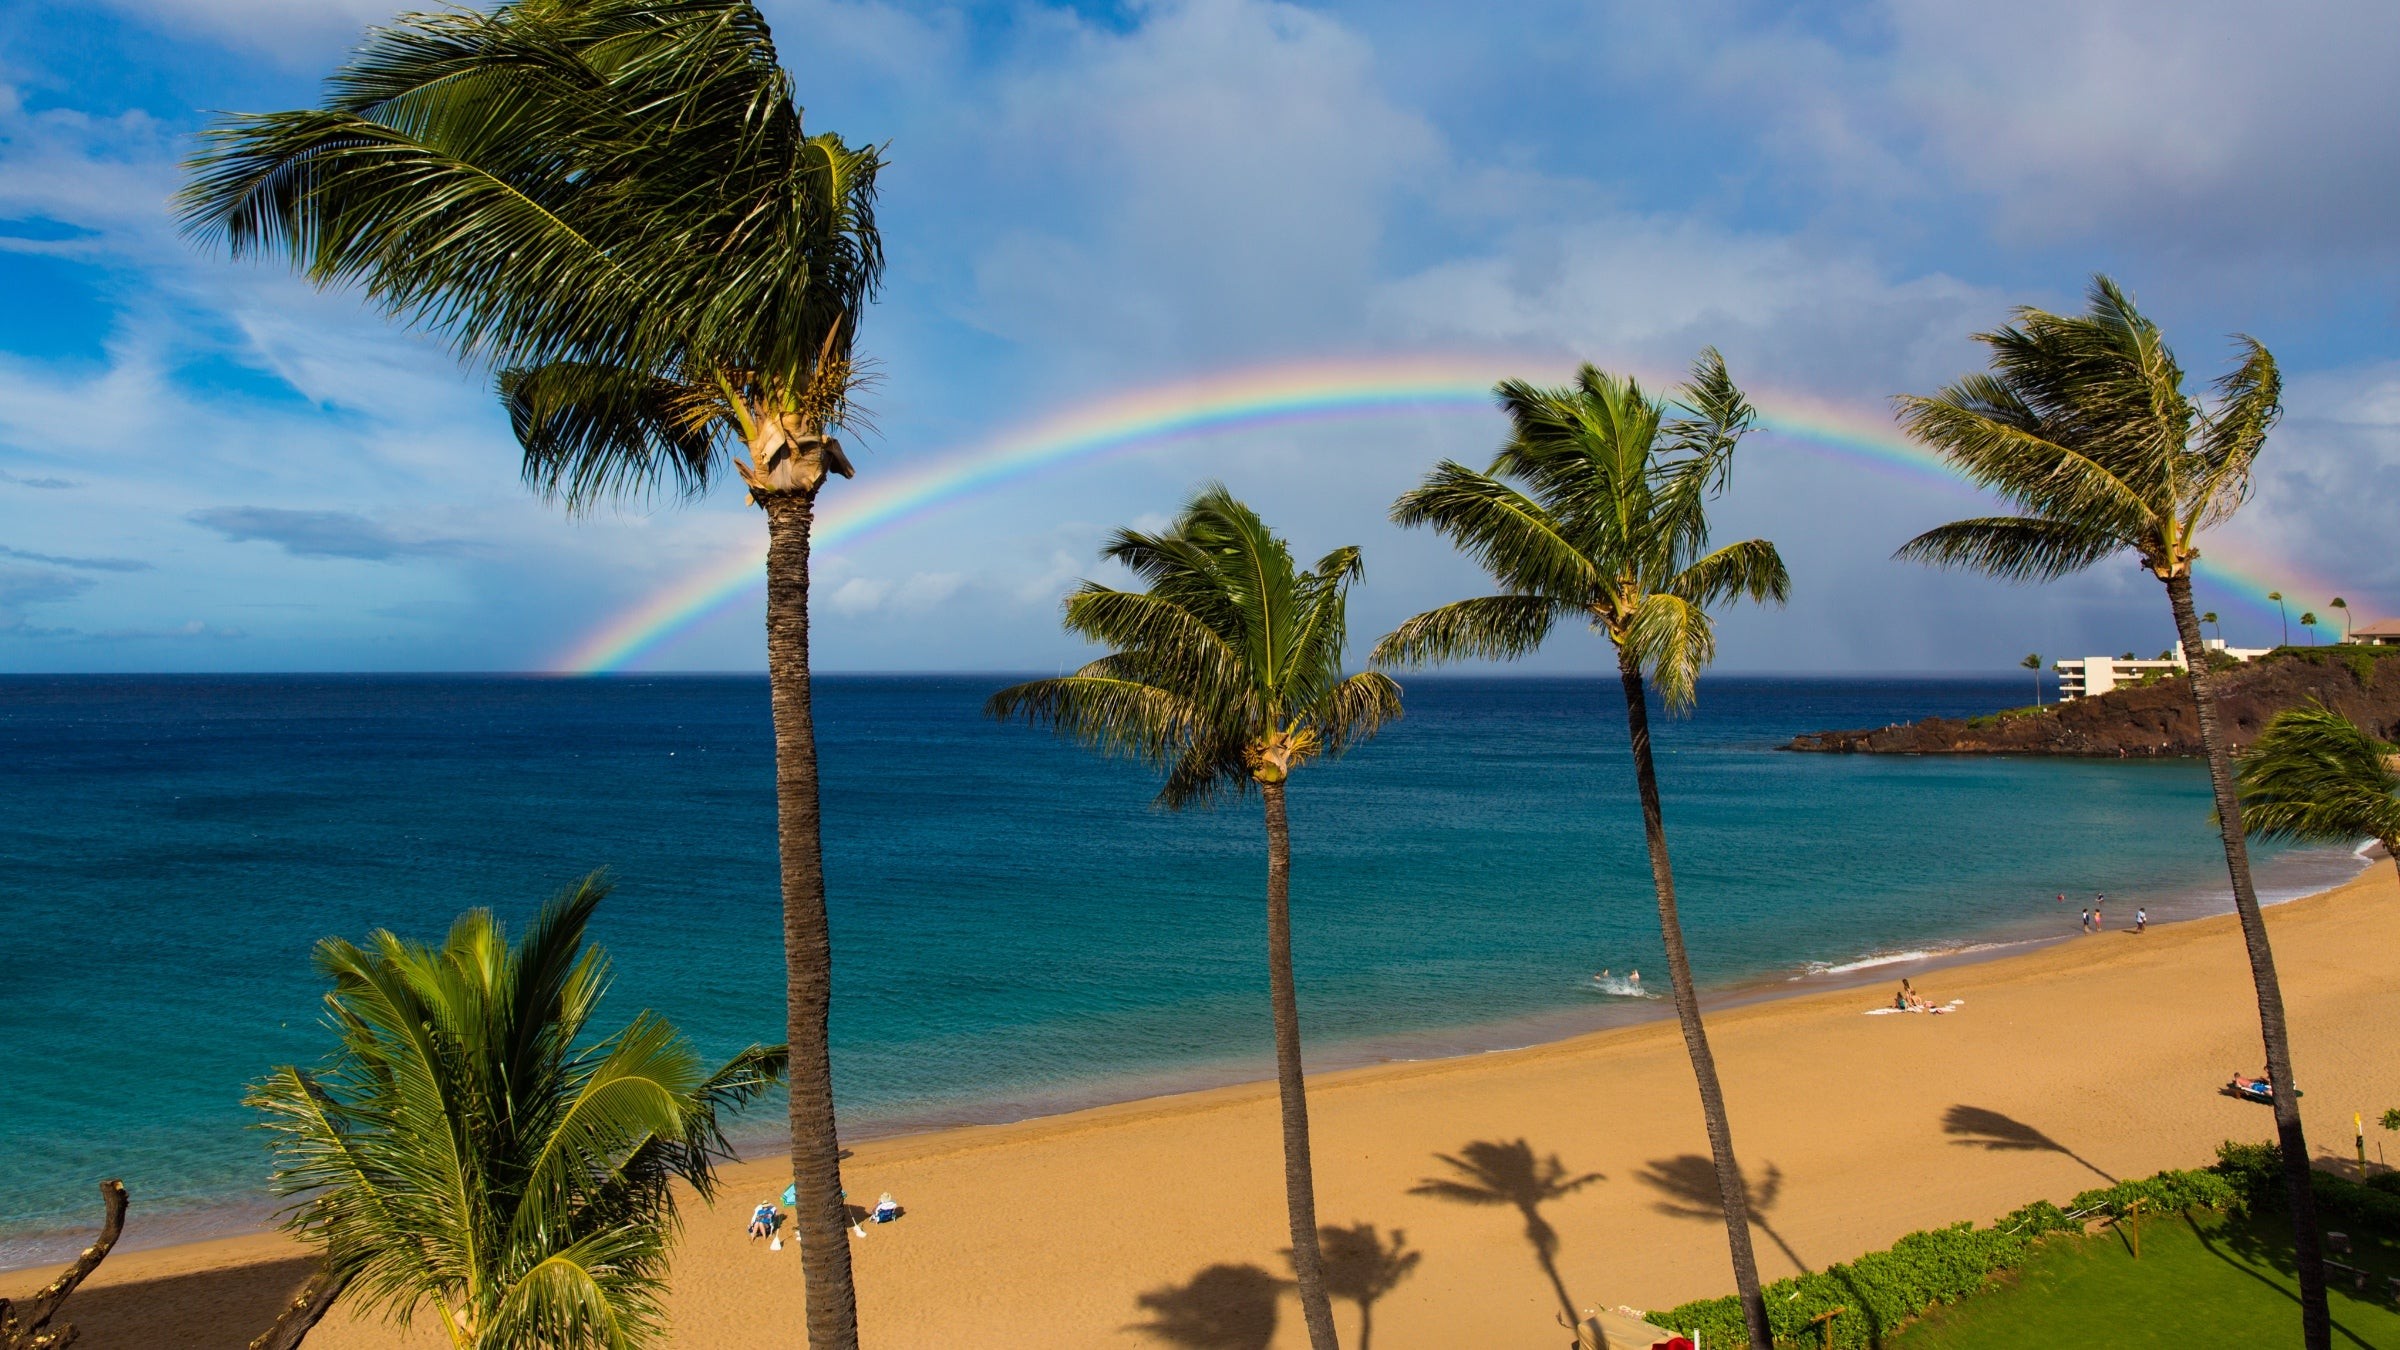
886 1209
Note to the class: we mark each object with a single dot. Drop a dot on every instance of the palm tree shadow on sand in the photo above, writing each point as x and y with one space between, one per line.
1996 1133
1224 1307
1688 1185
1360 1267
1490 1172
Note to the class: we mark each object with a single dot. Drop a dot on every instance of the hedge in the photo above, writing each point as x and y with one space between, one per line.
1882 1290
2257 1171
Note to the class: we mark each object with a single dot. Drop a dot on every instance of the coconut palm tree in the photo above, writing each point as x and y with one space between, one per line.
475 1148
1597 510
2210 618
2033 662
2316 776
2308 623
1226 671
2344 606
615 202
2284 616
2083 425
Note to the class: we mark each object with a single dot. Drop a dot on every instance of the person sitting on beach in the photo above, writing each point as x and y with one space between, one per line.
763 1221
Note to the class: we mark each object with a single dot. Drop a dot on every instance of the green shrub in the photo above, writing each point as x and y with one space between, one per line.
2386 1182
1883 1290
2256 1170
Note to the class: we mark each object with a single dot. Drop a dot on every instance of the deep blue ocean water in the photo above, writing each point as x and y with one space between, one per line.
1017 928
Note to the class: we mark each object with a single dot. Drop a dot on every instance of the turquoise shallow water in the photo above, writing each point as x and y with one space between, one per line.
1018 929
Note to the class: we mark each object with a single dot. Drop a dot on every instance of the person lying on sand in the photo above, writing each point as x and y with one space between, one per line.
763 1221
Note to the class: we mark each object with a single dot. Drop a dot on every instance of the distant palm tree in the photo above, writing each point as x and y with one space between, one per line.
2344 606
2315 775
2083 424
2210 618
1606 522
475 1149
2033 662
2282 614
615 201
2308 621
1227 672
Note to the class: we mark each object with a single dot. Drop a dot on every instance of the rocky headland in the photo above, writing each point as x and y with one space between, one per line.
2154 718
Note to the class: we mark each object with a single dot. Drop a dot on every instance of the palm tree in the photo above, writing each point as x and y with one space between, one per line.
2317 776
474 1149
2282 615
2033 662
2308 621
2210 618
615 201
2084 426
1606 521
1226 672
2344 606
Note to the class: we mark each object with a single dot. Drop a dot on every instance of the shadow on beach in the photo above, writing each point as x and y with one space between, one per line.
1490 1172
1688 1183
1361 1267
1224 1307
1996 1133
221 1309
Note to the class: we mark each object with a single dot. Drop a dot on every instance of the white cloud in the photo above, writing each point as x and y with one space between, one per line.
292 31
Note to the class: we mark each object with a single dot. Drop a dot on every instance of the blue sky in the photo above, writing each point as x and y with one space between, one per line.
207 466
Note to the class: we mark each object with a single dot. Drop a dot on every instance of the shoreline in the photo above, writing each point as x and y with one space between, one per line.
253 1217
2068 1062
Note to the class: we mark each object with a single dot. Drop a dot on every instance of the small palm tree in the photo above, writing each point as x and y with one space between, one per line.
472 1148
2084 426
2317 776
1597 510
2344 606
2282 615
616 203
2308 621
2033 662
1227 672
2210 618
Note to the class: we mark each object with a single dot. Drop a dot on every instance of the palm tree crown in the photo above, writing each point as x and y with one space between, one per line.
1606 520
2315 775
2083 424
1226 670
470 1146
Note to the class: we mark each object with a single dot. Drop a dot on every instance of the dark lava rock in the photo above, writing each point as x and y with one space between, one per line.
2361 683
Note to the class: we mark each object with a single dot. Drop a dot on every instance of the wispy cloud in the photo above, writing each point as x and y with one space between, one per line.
318 534
47 484
86 564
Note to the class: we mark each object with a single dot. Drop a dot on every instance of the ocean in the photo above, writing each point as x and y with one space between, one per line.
1018 928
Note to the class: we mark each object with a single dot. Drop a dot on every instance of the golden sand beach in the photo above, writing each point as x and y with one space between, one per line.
2068 1064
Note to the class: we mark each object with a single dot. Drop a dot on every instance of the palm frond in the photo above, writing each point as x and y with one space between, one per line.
2018 548
1506 532
1487 628
593 432
2315 776
1672 639
1749 570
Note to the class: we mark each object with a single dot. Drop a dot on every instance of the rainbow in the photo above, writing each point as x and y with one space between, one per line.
1249 399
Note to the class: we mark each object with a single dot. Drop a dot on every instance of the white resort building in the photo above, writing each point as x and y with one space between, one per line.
2381 633
2099 674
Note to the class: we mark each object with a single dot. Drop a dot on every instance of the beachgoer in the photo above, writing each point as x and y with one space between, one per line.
2062 897
2098 922
2141 918
762 1221
2087 920
1634 979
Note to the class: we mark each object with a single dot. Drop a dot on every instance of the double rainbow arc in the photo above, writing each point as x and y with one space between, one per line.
1282 395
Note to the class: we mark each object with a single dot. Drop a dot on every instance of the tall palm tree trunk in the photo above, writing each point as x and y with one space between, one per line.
2316 1324
1733 1192
1299 1180
818 1217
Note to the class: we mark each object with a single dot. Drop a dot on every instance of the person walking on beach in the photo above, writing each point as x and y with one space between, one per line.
2087 919
2098 922
2141 918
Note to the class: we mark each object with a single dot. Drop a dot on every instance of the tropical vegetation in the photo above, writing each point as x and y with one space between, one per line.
2314 775
477 1149
1225 670
1596 510
2083 425
615 203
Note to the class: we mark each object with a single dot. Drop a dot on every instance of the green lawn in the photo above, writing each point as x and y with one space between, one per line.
2203 1281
